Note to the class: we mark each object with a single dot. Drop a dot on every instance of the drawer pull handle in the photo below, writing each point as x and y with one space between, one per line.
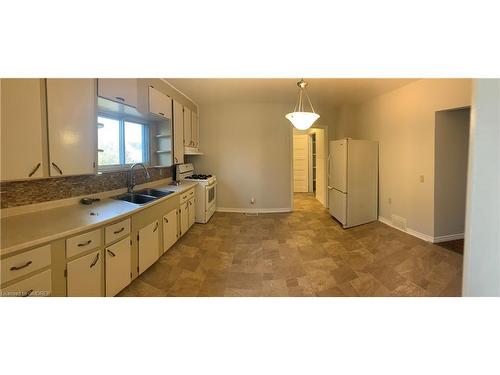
21 267
28 293
95 261
119 231
57 168
120 98
34 170
85 243
156 227
111 253
161 113
165 219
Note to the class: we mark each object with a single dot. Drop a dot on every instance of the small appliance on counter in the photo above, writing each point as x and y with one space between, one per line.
205 191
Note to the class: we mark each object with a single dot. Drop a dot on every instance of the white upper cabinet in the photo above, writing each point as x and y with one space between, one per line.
159 103
21 129
123 90
194 130
178 127
187 128
71 118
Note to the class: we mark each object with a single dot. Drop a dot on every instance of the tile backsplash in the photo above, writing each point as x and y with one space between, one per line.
20 193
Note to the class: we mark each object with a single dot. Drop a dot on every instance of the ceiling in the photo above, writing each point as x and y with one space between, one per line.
322 91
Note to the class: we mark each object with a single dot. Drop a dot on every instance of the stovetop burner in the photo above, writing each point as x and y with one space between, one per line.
199 177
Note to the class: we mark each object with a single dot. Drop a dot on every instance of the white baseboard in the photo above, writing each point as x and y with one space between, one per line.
423 236
254 210
449 237
410 231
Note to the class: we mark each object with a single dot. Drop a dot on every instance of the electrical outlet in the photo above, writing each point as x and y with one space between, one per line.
252 200
390 200
421 178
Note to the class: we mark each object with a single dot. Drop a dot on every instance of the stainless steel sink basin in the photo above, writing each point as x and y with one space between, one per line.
136 198
154 192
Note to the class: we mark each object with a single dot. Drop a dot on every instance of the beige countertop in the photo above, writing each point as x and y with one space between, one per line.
34 228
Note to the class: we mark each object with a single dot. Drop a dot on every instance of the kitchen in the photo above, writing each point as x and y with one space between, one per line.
200 187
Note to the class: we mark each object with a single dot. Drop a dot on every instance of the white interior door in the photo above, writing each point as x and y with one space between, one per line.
320 166
338 150
300 163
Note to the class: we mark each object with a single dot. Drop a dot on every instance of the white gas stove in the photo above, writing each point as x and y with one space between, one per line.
205 191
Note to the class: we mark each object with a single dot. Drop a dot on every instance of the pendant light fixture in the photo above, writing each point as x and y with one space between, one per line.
300 118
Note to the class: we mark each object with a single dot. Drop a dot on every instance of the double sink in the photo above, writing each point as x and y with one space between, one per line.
143 196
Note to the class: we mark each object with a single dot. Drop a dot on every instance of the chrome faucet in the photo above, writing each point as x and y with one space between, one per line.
131 179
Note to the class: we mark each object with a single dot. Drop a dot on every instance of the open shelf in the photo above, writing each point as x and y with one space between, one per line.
163 135
163 151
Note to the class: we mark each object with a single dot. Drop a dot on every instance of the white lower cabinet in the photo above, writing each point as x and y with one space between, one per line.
118 265
184 216
191 212
39 285
170 232
149 246
84 276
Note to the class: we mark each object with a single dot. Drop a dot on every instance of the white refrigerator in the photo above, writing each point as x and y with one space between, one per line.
353 181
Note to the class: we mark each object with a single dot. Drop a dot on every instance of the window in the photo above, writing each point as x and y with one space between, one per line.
121 142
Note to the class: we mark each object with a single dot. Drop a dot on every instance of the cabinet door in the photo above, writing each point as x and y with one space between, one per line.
21 129
149 245
159 103
188 141
170 232
71 117
184 217
85 276
39 285
178 133
191 211
118 90
195 130
118 265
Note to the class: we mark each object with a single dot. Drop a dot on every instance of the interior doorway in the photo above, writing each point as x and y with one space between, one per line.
450 176
309 163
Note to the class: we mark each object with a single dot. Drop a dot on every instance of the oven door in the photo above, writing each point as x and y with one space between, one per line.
210 195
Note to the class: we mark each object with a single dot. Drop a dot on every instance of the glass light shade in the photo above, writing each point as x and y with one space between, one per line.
302 120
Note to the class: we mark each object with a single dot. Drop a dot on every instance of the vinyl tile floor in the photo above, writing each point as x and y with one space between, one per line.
303 253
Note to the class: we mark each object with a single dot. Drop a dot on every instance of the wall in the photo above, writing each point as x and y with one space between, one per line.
344 122
403 122
481 275
450 174
247 145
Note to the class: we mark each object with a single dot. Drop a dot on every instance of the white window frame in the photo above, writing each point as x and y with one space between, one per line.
146 154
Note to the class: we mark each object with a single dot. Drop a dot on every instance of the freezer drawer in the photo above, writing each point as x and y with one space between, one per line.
338 205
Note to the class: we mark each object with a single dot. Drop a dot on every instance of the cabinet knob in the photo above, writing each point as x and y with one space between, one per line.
34 170
95 261
156 227
165 219
111 253
120 98
21 267
119 231
85 243
57 168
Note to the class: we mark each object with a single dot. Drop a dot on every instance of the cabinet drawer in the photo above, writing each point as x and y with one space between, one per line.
116 231
39 285
24 263
83 242
187 196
